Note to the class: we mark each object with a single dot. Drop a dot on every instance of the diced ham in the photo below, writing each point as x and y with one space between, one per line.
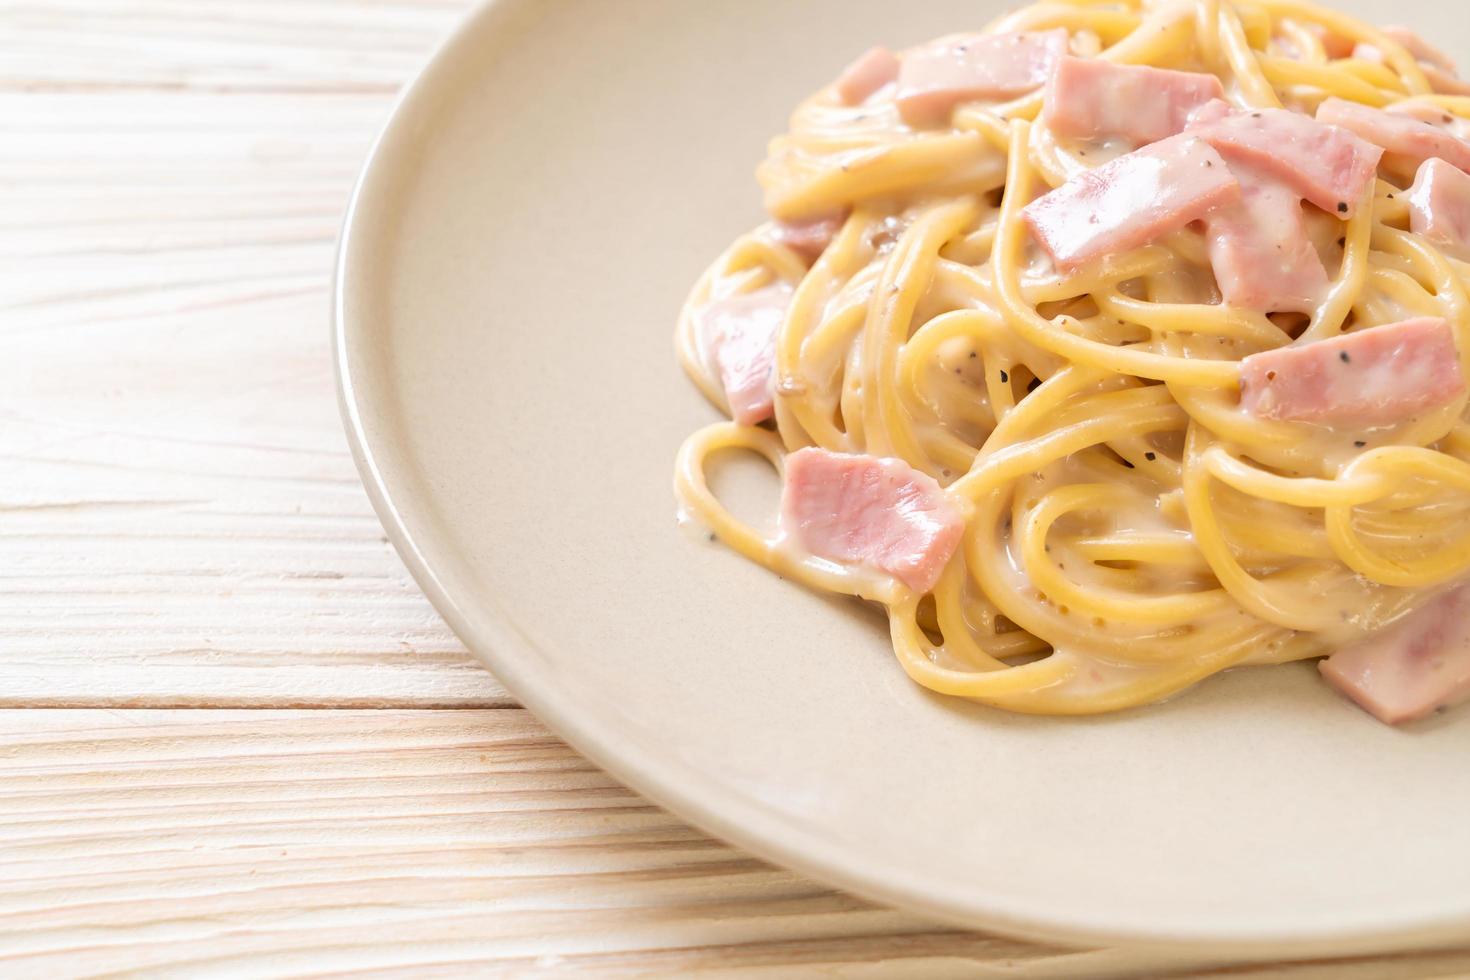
1376 376
1439 207
1434 115
1089 98
1396 132
940 75
1260 251
872 70
739 334
809 238
1328 166
1413 667
880 513
1132 200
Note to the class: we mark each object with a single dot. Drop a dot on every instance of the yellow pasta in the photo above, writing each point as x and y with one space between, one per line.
1129 529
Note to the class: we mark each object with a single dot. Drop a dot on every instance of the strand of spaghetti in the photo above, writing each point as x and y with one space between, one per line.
1307 45
1354 30
906 277
1032 413
1206 17
1043 333
1374 74
1255 87
959 639
691 487
1328 319
1096 277
1254 596
1013 461
1213 320
1163 610
989 565
913 649
1443 564
1174 548
1111 25
1333 81
908 162
1347 490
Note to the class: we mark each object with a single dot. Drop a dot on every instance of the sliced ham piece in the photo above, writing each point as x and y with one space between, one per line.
940 75
739 334
1089 98
1415 666
1260 251
872 70
1434 115
1397 132
1131 201
879 513
1377 376
809 238
1328 166
1439 207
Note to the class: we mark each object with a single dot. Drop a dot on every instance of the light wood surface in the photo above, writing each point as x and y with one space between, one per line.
234 737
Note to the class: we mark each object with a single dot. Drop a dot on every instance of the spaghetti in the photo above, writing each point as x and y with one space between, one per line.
1129 528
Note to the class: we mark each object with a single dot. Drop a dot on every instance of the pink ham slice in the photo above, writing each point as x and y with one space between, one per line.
1439 207
1260 251
872 70
1413 667
879 513
739 333
1377 376
809 238
1132 200
1093 99
1328 166
942 74
1436 116
1396 132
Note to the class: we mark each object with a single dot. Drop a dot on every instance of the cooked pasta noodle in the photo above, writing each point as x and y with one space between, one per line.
1129 528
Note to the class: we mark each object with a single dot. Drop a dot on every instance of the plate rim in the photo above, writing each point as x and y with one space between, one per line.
502 650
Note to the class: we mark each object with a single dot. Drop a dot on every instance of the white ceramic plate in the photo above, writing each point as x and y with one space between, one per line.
511 268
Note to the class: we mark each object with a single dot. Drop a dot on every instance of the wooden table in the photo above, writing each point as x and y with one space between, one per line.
235 737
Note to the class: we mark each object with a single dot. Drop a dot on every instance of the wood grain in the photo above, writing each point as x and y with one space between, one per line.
182 535
182 523
287 842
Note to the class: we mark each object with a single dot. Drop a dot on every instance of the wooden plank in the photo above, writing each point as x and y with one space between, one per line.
291 842
171 178
219 45
172 535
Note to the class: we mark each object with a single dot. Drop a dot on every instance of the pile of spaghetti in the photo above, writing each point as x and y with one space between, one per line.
1114 346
